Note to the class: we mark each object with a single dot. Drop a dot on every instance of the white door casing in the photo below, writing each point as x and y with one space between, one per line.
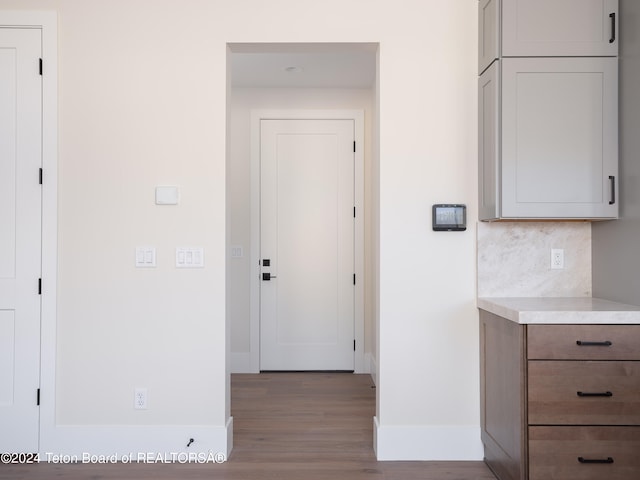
20 237
357 117
307 245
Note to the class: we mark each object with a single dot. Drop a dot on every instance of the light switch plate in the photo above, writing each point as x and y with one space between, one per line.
167 195
145 257
189 257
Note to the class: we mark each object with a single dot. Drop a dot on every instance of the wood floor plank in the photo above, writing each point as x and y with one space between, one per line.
287 426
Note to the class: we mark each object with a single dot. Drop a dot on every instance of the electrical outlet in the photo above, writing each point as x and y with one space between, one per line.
140 399
557 258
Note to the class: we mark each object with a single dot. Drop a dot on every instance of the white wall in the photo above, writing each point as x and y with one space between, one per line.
243 101
138 107
428 333
142 102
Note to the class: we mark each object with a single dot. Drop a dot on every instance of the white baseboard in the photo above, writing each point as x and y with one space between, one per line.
145 444
426 443
241 362
372 367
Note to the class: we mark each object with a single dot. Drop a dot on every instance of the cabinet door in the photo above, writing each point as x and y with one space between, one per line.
559 137
488 33
503 417
488 143
559 28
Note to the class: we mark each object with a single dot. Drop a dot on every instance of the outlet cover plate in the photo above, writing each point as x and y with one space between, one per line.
140 399
557 258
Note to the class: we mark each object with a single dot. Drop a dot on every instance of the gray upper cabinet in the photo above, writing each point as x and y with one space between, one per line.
572 28
488 33
548 123
489 143
559 137
547 28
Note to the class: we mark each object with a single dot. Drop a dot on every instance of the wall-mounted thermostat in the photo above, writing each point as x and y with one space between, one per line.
449 218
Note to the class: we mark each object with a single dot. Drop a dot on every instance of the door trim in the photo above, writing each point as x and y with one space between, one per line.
47 21
254 254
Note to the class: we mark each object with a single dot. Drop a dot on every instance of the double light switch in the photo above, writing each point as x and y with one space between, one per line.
145 257
186 257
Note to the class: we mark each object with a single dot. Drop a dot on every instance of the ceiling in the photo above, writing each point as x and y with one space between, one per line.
335 65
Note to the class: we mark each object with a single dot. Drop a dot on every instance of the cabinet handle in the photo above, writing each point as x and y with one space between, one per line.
612 16
595 394
606 343
595 460
612 179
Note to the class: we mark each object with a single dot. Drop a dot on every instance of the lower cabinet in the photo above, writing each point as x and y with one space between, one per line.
560 402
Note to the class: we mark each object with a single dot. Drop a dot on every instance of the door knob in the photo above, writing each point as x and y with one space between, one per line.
267 276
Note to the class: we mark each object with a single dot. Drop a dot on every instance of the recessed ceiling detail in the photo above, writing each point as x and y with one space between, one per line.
303 65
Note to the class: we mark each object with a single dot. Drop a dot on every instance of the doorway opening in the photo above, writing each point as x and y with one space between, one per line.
308 83
295 82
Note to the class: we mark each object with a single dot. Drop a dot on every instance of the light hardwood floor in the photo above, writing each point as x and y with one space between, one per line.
287 426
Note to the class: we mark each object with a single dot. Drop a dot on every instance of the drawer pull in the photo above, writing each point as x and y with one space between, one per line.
595 394
595 460
606 343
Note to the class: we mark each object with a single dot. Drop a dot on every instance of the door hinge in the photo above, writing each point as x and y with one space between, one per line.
38 397
40 177
354 345
354 146
40 66
39 286
354 212
354 278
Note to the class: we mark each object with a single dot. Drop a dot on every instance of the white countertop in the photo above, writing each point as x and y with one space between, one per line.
561 310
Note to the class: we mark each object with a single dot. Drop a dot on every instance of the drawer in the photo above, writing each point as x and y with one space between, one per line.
583 393
583 342
584 453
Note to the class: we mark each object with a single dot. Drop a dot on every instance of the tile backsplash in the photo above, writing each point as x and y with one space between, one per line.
514 259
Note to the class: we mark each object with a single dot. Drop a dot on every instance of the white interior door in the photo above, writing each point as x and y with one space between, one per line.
20 237
307 245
